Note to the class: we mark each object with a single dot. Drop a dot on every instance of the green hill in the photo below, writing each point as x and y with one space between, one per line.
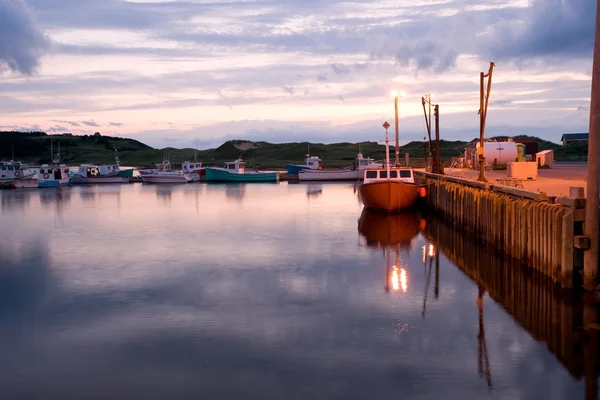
34 147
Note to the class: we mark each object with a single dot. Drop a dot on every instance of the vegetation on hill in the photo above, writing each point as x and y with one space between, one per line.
34 147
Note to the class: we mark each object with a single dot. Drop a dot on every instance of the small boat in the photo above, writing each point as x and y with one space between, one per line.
311 163
235 171
172 176
164 166
353 173
389 189
114 170
12 172
90 173
53 175
194 169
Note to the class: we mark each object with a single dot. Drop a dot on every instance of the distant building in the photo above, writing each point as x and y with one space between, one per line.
568 138
531 144
97 134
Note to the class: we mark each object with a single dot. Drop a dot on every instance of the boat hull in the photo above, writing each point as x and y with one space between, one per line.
217 175
84 180
53 183
389 196
295 169
166 178
125 173
26 183
329 175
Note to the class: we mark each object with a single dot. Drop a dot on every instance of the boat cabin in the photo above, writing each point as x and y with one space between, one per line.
163 166
236 167
364 162
53 173
189 167
109 169
13 169
313 162
89 170
396 174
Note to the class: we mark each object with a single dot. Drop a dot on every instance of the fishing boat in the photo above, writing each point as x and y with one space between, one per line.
235 171
53 175
12 172
170 176
90 173
311 163
194 169
353 173
389 189
115 170
165 165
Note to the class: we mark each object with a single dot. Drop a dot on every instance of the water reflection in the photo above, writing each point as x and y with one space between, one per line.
164 193
393 233
559 318
313 190
235 191
18 201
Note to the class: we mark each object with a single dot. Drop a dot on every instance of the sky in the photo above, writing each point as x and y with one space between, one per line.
198 72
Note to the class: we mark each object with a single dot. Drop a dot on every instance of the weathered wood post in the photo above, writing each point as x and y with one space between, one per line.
590 269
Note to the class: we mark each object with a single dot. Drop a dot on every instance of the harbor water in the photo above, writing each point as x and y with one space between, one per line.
269 291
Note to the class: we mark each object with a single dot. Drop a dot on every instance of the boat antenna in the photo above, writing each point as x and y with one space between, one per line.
116 156
13 151
51 149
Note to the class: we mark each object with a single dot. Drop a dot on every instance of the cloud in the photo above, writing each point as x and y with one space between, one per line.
72 123
118 124
22 44
90 123
551 28
340 69
322 78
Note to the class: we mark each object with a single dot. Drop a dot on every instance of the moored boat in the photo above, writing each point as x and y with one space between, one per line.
172 176
53 175
194 169
235 171
353 173
12 173
389 189
311 163
90 173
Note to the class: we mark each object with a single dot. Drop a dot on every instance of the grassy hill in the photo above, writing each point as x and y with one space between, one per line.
34 147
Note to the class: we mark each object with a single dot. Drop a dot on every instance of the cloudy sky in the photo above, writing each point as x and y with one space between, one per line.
198 72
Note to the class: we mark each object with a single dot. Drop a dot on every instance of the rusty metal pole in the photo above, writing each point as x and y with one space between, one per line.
438 160
397 136
591 227
481 134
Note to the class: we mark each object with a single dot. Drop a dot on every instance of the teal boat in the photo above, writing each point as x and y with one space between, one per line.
235 171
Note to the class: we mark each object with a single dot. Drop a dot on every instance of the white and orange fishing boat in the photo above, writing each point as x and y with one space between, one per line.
390 189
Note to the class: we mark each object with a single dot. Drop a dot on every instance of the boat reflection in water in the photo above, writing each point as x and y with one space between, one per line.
391 231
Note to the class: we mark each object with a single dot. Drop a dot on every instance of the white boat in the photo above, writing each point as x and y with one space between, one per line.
53 176
311 162
13 172
162 167
110 170
172 176
194 169
90 173
353 173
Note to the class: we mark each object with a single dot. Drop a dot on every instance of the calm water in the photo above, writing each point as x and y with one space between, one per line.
265 292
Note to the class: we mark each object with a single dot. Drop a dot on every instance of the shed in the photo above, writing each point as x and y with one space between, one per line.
545 158
569 138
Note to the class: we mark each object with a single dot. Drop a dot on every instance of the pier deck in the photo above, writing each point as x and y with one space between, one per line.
553 181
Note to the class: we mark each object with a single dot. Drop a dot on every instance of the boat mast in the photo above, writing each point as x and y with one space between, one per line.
386 125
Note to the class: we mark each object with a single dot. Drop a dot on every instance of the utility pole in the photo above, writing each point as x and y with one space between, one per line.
591 227
427 99
483 105
437 161
397 136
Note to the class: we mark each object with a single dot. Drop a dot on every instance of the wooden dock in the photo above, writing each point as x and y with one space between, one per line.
563 321
544 232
